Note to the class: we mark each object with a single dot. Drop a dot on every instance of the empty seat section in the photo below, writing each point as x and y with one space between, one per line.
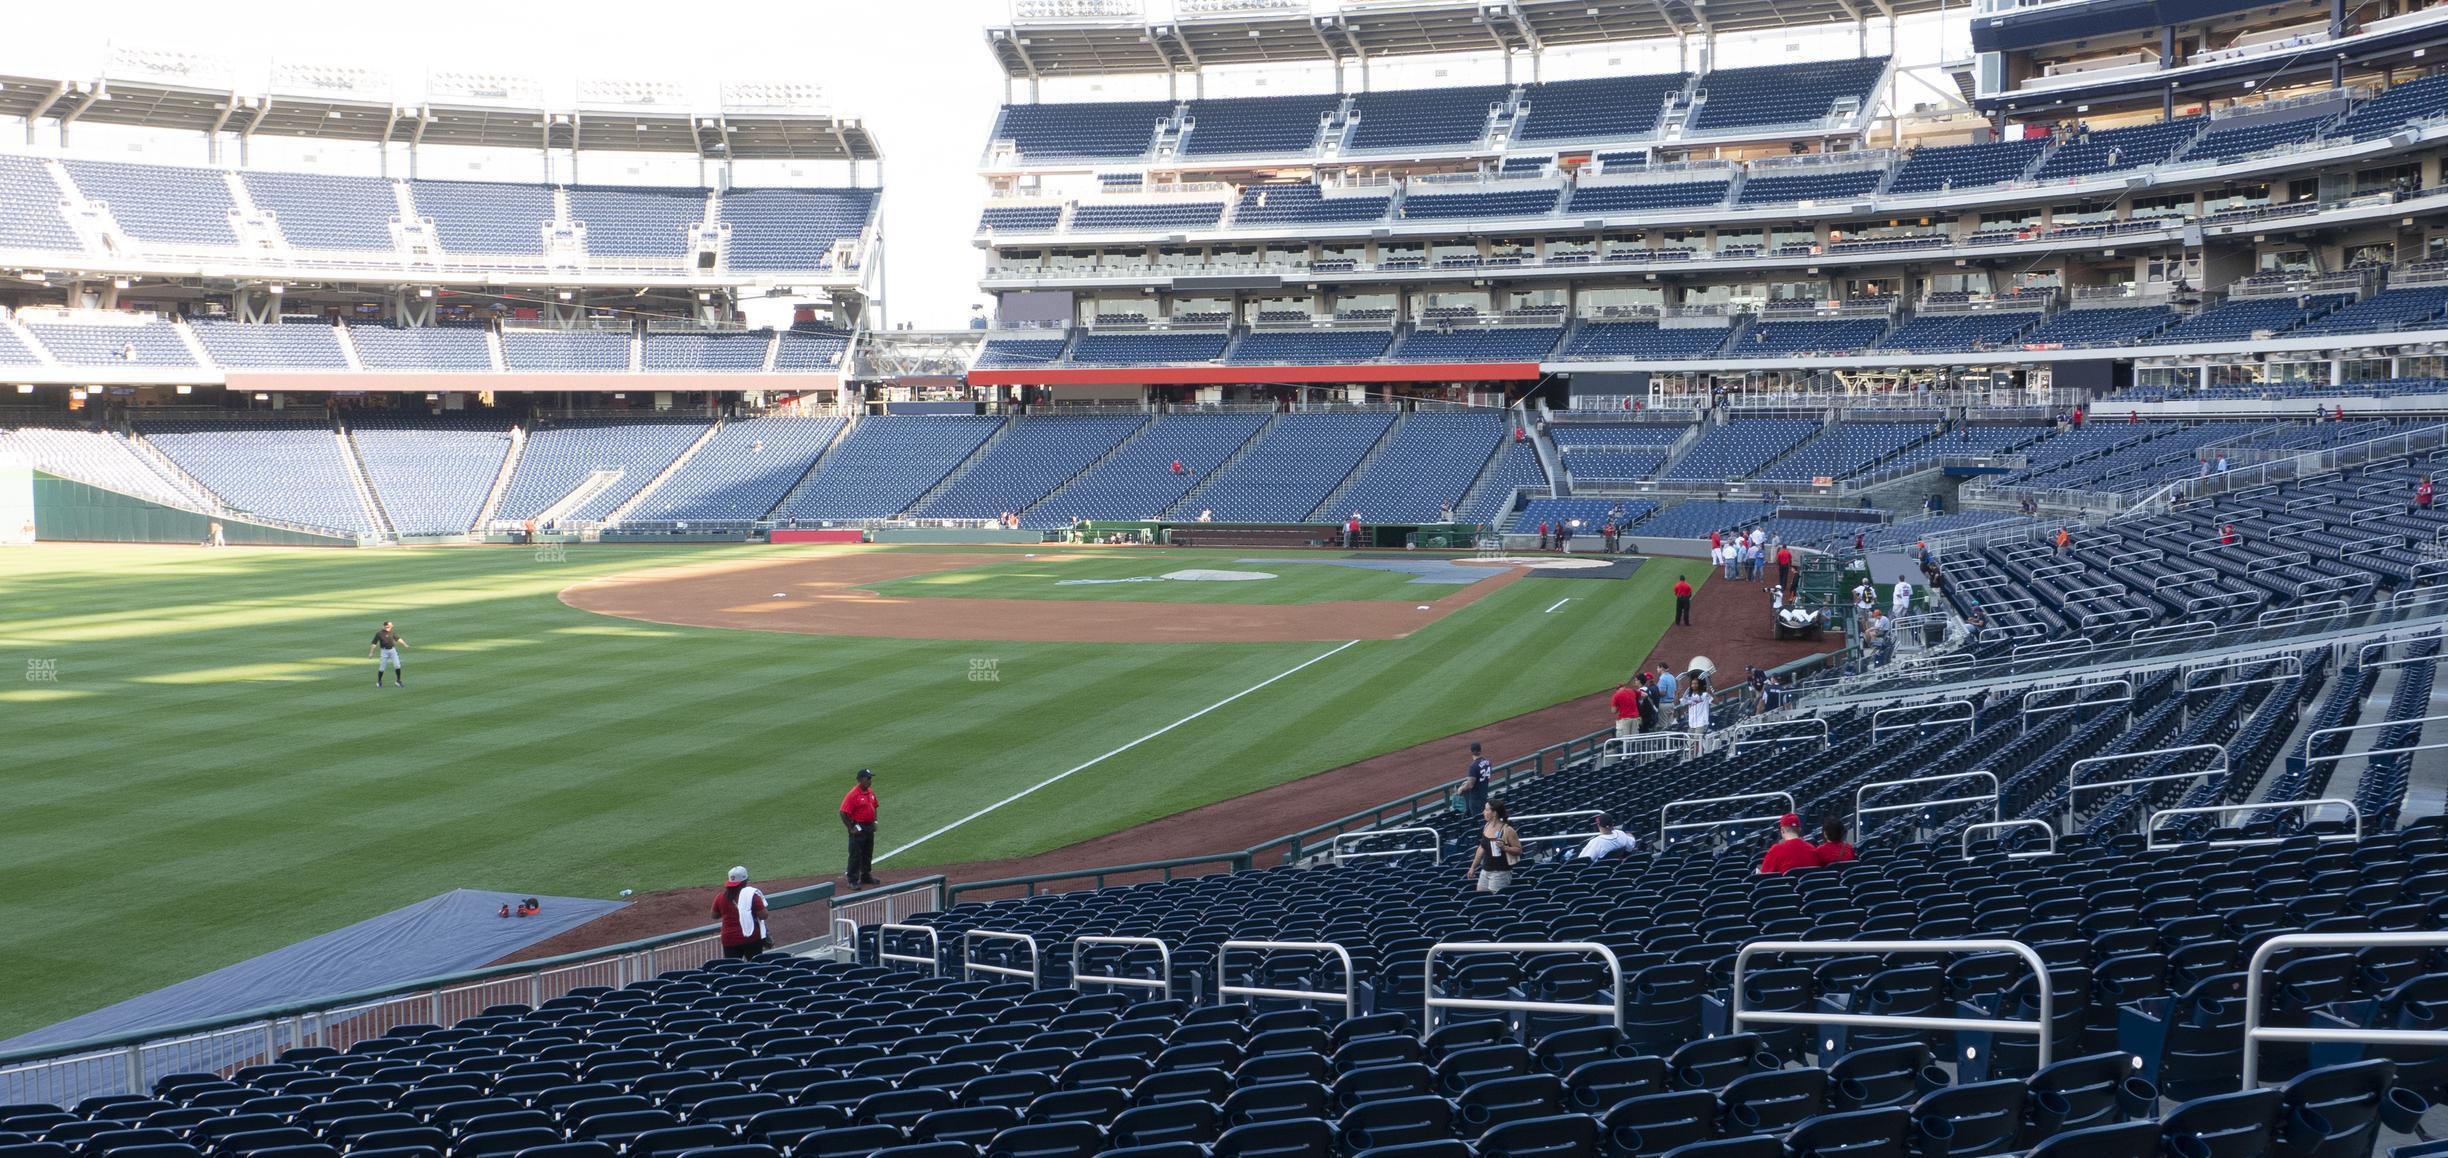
1426 466
1291 468
1642 341
792 229
1255 126
1503 203
1517 470
431 473
1694 520
810 346
613 459
101 344
1140 482
1781 94
885 463
2101 326
30 216
1979 330
1315 347
1786 190
2241 318
476 218
2222 142
1300 203
589 351
1771 336
289 470
1147 347
318 211
1646 195
309 344
740 473
102 458
450 347
2404 103
1114 130
1593 514
162 204
1965 166
1844 449
1020 218
710 351
1625 451
1039 453
1093 215
2391 309
1733 450
637 221
1018 353
1477 344
1607 108
1429 118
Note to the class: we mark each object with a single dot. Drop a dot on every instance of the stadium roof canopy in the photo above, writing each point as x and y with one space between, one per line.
748 122
1063 38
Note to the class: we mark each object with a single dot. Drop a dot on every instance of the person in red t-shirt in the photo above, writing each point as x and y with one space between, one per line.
1832 848
1542 534
1715 541
1627 709
741 909
1682 590
1784 560
2422 494
858 813
2227 538
1790 852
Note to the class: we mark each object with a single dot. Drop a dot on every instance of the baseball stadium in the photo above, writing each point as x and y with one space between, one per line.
1355 578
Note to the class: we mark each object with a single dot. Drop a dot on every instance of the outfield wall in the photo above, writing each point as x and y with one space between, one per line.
66 510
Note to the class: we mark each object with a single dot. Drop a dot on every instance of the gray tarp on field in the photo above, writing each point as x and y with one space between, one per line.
446 934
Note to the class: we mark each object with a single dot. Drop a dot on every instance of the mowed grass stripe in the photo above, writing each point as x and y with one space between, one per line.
236 783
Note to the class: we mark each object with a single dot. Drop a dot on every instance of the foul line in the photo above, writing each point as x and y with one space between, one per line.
1116 752
1558 603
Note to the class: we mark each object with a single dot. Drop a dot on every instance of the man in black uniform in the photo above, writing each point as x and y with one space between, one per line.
1475 782
385 653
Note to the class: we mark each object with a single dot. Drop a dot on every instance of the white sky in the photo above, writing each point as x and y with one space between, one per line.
916 71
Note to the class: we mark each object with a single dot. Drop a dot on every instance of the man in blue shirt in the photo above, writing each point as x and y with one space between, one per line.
1665 685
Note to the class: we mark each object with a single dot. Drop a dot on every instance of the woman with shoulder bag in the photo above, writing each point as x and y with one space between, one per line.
1499 849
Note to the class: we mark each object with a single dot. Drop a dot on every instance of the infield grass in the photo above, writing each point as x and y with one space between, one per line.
200 768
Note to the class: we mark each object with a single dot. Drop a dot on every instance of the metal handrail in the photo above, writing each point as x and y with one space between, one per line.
2040 1028
2005 825
1036 960
2255 1033
1551 837
1645 744
2078 702
1431 1002
1671 805
2233 664
1970 718
1740 742
2301 613
2186 629
1164 970
2150 827
2074 771
1859 794
1436 844
934 958
1350 997
2309 759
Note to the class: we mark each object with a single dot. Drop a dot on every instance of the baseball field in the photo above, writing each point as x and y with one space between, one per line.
199 767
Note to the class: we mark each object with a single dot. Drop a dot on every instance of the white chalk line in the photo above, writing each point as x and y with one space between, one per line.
1060 776
1558 603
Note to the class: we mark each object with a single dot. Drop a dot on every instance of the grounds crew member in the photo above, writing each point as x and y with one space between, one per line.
858 813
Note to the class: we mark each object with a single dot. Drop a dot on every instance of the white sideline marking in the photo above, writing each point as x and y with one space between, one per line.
1339 649
1558 603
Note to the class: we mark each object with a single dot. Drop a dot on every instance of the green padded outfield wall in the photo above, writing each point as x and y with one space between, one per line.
16 501
66 510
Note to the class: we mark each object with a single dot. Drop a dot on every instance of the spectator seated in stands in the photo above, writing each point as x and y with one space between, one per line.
1832 848
1608 841
1790 852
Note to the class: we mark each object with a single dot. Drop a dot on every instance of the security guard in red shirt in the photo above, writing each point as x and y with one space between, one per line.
858 813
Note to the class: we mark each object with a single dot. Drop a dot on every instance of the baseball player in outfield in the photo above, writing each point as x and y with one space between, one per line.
384 651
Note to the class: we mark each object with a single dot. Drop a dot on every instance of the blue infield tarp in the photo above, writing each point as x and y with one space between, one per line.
456 931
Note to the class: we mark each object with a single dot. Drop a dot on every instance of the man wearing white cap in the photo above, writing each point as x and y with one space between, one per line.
741 909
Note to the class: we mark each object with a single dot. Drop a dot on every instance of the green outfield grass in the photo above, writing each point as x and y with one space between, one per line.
1305 580
200 768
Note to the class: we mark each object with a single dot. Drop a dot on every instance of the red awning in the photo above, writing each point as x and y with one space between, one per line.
1259 375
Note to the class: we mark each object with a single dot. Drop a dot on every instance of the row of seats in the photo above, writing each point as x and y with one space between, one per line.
311 343
483 222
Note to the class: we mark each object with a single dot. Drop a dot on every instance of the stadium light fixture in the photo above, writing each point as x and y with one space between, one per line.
263 398
425 292
119 283
25 388
186 389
